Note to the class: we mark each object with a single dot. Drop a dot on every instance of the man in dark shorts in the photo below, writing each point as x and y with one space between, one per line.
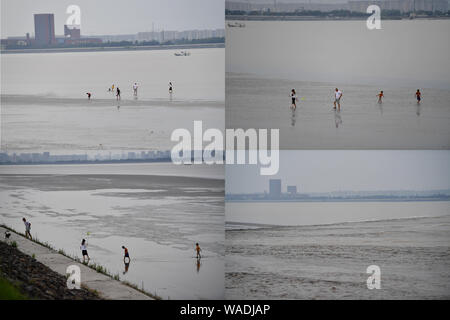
118 93
198 250
84 252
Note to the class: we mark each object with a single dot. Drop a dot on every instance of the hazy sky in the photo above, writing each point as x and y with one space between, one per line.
114 16
339 170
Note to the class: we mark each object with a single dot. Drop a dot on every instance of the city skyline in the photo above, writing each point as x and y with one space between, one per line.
277 190
114 18
334 170
44 35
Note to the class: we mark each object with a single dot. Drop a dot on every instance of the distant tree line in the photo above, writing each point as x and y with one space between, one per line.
334 13
110 44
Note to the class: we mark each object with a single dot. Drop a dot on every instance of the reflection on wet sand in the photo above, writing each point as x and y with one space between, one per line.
293 118
198 264
380 106
337 118
255 101
127 265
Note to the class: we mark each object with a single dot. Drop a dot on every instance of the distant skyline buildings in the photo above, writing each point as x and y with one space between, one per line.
44 28
165 35
336 170
44 35
103 17
47 157
291 193
276 194
274 188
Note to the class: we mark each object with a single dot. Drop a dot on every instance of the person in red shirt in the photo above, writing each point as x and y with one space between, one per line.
418 95
126 254
380 97
198 250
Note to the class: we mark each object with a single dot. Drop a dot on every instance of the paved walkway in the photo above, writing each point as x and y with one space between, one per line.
107 287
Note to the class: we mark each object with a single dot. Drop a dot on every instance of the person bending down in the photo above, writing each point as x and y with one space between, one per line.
126 254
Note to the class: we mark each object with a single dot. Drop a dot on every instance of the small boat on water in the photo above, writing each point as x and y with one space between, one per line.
236 25
182 54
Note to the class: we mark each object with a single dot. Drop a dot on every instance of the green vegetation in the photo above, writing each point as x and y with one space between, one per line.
14 244
9 291
331 14
132 285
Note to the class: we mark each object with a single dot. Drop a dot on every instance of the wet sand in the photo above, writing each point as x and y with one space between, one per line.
74 126
330 261
362 123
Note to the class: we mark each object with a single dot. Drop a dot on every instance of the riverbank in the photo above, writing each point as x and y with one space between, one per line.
126 48
24 274
40 272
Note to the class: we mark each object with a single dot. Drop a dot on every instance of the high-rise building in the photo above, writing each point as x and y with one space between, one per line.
44 28
275 188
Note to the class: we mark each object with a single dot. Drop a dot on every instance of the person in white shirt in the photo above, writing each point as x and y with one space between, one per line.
337 98
27 228
135 87
84 252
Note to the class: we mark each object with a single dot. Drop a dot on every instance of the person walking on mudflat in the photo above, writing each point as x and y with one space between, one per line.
337 98
380 97
27 228
198 250
118 93
418 96
294 99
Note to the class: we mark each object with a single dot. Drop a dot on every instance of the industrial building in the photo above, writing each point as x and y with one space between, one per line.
44 28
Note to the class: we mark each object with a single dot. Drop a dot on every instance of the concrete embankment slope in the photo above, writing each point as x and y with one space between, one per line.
106 287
